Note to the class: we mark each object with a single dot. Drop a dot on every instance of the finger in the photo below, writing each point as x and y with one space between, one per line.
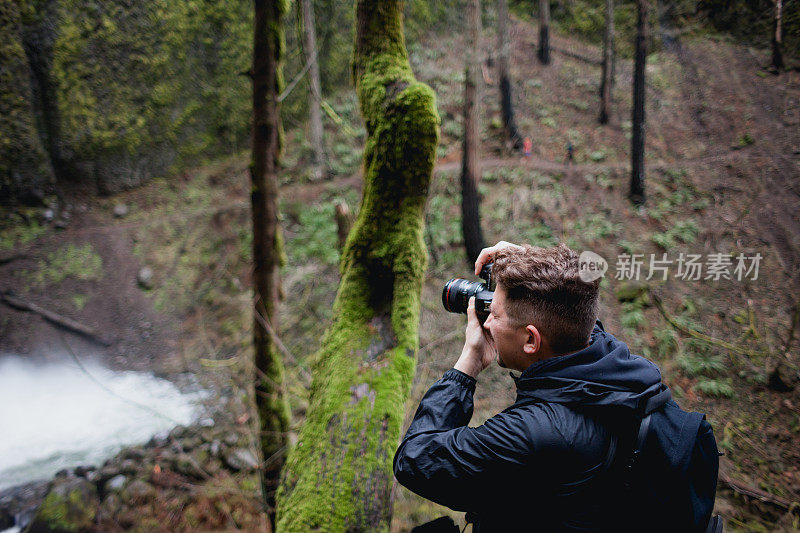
483 257
486 254
471 314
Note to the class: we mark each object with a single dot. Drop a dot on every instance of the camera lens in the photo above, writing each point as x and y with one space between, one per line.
457 292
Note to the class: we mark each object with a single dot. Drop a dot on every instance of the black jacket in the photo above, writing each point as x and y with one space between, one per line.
540 464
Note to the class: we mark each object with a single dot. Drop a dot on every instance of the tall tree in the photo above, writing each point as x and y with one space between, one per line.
338 476
544 31
607 82
509 124
315 91
777 36
470 162
273 410
636 193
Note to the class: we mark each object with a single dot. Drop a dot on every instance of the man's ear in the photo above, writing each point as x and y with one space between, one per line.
534 341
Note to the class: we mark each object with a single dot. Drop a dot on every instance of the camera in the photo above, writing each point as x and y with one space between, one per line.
457 292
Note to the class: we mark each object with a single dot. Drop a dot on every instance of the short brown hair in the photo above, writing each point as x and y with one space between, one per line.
544 288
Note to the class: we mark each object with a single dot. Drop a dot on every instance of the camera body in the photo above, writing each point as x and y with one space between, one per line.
457 292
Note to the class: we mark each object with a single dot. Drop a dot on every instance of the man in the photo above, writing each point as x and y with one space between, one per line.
545 462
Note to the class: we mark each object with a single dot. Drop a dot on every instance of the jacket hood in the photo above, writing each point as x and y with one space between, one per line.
604 374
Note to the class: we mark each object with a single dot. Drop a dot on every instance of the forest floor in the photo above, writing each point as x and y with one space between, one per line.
723 176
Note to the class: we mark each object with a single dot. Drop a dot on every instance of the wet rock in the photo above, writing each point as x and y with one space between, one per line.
145 277
186 465
6 519
215 448
231 439
70 505
129 466
48 215
207 434
134 454
178 432
109 471
116 483
240 459
207 422
83 471
158 440
138 491
120 210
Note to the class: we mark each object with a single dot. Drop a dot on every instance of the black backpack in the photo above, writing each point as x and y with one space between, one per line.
667 470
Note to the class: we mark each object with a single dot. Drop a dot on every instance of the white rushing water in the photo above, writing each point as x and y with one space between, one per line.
59 415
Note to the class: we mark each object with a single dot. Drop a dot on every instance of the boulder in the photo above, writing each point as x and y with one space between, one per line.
240 459
70 506
116 483
138 491
120 211
145 277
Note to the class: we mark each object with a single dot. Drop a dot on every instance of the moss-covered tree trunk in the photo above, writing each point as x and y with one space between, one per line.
544 32
607 82
636 193
273 411
338 476
470 160
506 104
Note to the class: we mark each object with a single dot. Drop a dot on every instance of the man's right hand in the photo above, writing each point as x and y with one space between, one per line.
487 254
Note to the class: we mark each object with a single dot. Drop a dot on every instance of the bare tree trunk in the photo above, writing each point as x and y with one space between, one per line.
315 91
607 83
273 410
470 162
506 104
339 475
636 193
777 37
544 31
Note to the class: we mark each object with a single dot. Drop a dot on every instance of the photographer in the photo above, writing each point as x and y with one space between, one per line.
566 455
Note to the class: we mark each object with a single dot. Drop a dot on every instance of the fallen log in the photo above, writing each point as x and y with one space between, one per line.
758 494
54 318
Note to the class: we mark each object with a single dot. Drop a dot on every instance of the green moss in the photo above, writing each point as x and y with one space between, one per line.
65 511
20 233
23 161
79 301
338 477
70 261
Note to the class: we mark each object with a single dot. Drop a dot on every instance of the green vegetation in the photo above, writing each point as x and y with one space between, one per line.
19 232
685 231
719 388
592 227
70 261
79 301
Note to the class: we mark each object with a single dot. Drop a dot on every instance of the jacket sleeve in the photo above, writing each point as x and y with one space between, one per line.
444 460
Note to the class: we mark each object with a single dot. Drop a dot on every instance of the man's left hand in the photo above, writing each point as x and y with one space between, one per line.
478 352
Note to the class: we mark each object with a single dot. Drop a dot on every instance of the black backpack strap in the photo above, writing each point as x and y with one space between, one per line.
647 407
655 402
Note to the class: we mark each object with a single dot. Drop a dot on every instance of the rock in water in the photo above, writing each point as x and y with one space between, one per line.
70 505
